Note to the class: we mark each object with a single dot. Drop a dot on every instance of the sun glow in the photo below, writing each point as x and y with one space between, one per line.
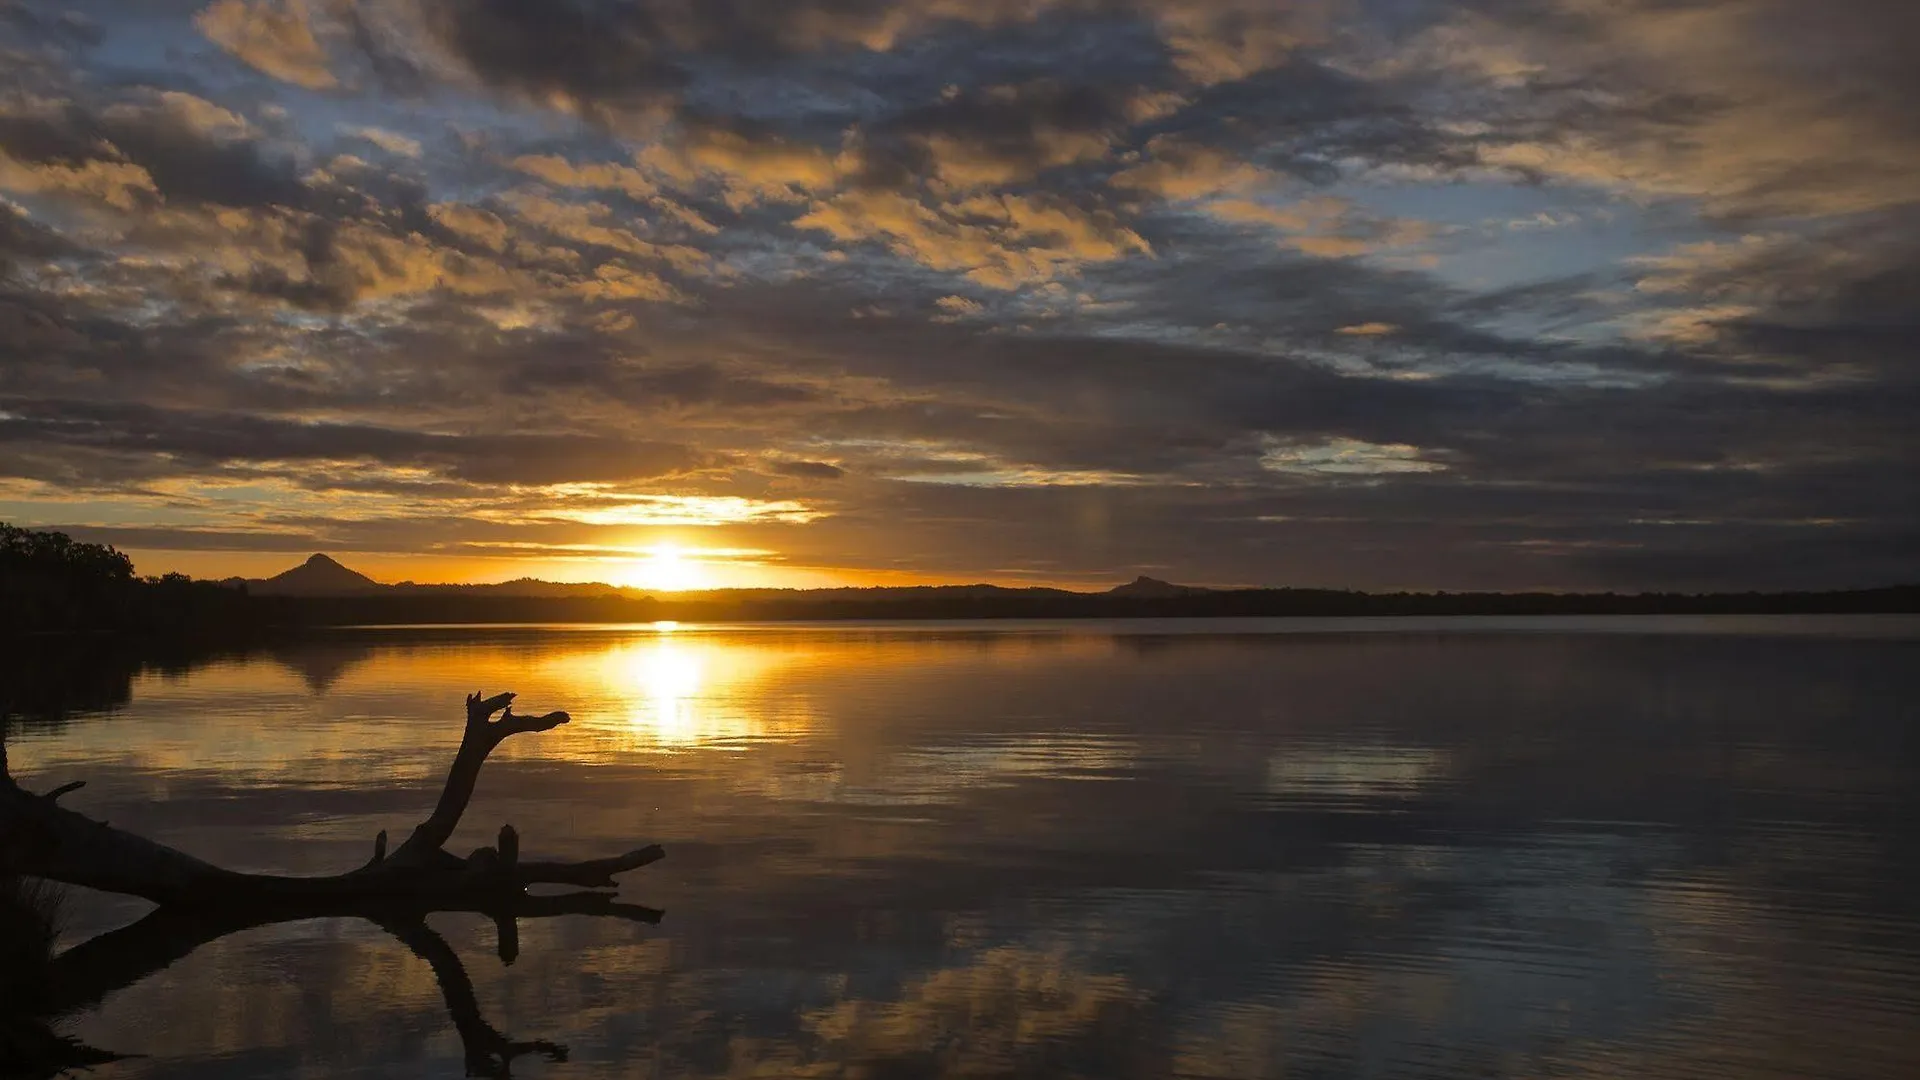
669 677
676 688
668 568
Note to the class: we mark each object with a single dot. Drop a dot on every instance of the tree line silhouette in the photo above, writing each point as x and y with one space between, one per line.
51 583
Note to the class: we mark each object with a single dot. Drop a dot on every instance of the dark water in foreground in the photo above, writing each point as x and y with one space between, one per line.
1672 848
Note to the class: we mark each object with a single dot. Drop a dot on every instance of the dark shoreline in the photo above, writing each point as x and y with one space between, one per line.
52 585
246 620
941 604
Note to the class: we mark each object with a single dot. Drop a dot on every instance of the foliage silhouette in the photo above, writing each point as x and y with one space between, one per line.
52 583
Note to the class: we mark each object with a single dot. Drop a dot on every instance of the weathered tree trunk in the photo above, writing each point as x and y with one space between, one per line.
200 902
40 838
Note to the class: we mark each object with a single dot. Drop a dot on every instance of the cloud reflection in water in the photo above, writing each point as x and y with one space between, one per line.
1013 852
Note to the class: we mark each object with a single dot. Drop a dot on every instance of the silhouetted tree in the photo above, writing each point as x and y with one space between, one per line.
52 583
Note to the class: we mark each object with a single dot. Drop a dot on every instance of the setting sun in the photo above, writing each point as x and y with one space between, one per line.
667 568
1219 538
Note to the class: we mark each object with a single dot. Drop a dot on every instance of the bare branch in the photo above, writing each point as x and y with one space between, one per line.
584 903
509 724
39 837
84 974
592 874
479 711
63 789
488 1051
478 740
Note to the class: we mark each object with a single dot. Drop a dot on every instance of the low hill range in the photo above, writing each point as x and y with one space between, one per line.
52 584
323 576
321 591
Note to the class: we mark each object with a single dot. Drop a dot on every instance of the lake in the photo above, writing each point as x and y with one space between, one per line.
1451 847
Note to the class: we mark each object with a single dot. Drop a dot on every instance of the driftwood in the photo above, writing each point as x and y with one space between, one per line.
200 902
41 838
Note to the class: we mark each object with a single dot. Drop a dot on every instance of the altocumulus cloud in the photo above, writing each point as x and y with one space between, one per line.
1488 293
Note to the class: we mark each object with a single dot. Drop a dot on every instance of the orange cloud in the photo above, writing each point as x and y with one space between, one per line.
612 281
1179 170
275 38
472 223
1216 41
1326 227
560 172
999 241
595 224
749 169
391 141
116 184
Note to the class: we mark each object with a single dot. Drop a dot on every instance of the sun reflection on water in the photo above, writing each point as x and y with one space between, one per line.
668 676
680 691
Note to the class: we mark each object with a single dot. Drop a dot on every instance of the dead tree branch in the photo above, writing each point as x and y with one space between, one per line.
40 838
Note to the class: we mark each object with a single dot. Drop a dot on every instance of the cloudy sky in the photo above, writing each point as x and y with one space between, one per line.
1376 293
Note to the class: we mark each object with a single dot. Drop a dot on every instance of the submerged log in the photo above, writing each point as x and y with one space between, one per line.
40 838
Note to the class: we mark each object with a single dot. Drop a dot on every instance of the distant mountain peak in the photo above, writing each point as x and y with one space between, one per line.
1149 588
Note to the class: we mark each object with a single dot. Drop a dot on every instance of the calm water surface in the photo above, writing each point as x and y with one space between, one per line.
1643 848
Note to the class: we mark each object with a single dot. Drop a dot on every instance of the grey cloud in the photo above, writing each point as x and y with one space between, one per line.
74 26
809 470
1006 131
1104 415
1758 107
309 293
186 164
504 458
595 57
37 40
1858 315
178 539
1167 389
46 138
697 383
23 238
1305 117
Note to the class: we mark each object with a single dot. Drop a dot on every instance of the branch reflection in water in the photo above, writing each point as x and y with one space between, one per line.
40 989
1020 851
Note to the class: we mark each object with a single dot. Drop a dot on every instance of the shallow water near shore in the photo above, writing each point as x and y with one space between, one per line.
1658 847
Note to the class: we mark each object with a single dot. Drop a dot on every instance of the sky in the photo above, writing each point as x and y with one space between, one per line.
1476 294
